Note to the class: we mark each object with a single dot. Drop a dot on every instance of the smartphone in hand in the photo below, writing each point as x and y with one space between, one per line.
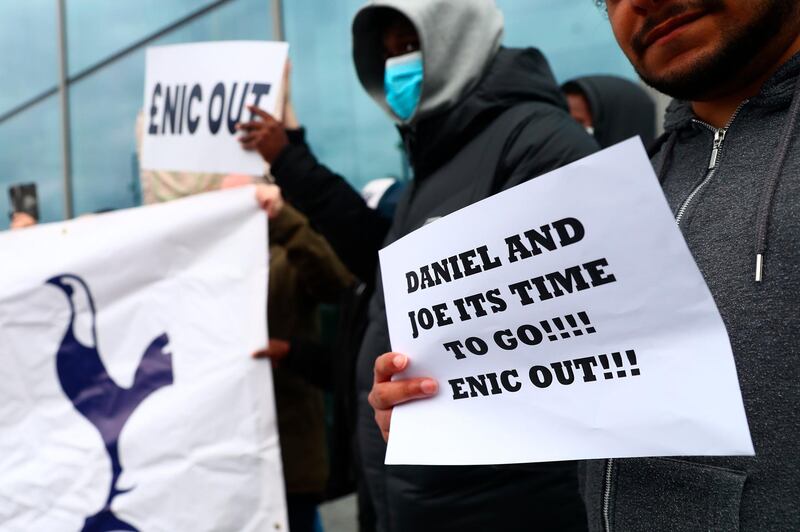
24 199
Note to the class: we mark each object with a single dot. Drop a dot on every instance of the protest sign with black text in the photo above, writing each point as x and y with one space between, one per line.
564 319
194 96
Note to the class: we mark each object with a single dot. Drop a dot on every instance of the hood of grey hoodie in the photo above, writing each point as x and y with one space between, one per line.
458 40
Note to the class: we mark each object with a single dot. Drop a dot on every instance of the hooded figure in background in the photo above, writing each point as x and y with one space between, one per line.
476 119
612 109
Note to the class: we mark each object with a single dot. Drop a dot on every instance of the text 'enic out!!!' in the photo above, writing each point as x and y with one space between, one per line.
180 109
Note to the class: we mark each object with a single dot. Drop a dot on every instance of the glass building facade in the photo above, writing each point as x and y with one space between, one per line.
73 74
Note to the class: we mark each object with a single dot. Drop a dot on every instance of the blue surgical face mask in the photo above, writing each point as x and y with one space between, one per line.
403 83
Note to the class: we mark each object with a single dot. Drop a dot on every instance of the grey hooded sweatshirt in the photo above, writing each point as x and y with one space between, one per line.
736 194
489 118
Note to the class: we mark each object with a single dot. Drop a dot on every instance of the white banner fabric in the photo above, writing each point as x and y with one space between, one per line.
129 400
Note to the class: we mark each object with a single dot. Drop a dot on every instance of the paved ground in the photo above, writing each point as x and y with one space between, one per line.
339 515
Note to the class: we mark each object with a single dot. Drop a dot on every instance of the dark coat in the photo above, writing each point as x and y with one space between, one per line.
512 127
620 108
304 272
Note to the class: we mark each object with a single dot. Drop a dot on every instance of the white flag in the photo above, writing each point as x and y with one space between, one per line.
128 399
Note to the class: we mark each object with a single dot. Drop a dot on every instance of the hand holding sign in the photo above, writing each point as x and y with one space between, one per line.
266 136
386 393
558 331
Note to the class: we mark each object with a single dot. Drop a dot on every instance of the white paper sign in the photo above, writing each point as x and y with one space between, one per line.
125 344
194 96
563 319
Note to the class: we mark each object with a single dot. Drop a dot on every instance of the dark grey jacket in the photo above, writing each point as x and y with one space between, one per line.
749 205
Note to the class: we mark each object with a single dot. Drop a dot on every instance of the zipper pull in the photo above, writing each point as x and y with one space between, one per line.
719 138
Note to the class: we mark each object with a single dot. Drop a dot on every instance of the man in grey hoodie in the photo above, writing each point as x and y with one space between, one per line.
729 163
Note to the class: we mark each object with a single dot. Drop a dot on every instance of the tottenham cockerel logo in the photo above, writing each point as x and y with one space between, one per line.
95 395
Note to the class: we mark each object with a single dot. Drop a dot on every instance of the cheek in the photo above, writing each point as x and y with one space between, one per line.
623 24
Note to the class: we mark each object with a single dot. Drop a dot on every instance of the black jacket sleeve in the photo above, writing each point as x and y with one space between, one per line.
549 140
334 208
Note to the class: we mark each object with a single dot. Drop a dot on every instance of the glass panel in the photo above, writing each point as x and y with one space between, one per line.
29 40
97 29
574 35
346 129
30 152
104 106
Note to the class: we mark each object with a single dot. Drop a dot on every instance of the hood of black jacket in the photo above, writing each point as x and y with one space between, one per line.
513 77
620 109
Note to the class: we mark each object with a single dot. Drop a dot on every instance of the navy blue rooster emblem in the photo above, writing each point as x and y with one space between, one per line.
96 396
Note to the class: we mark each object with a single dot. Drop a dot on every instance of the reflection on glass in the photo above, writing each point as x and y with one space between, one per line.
29 41
30 152
104 106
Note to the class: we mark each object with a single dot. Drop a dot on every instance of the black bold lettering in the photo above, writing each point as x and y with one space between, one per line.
586 365
540 285
463 315
488 263
441 318
441 272
457 273
218 94
505 378
541 238
233 120
476 346
477 386
563 371
470 268
259 89
530 335
458 393
498 304
522 290
413 281
425 319
540 376
515 248
414 330
495 385
596 273
455 348
570 279
563 227
170 107
426 281
153 128
193 120
500 339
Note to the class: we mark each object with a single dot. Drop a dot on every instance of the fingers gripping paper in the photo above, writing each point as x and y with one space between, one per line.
564 319
129 400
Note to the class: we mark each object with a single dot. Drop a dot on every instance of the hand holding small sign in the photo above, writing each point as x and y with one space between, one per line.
387 393
266 136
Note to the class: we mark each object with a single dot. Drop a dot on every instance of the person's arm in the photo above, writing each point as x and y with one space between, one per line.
319 270
334 208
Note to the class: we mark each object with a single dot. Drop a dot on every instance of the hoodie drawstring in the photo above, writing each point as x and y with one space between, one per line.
773 177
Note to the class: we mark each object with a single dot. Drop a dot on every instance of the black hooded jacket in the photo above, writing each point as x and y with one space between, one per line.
511 127
620 108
